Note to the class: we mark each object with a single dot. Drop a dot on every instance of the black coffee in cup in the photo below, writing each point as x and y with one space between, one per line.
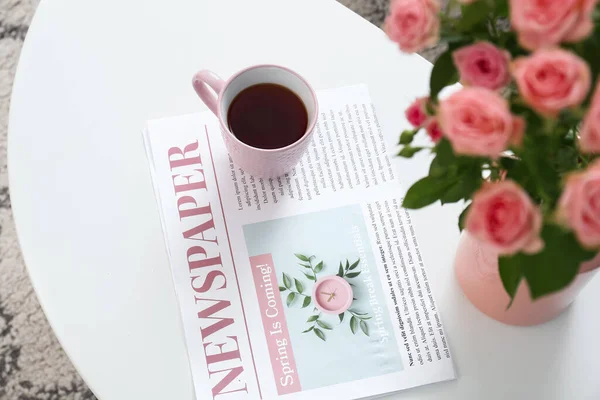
267 116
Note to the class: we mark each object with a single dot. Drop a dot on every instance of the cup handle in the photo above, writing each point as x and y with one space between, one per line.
203 82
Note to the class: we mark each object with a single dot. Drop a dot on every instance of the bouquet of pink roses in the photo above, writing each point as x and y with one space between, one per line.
521 139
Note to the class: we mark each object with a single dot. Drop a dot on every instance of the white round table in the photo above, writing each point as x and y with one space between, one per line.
91 74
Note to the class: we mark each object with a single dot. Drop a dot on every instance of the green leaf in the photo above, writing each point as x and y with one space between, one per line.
341 316
299 286
566 158
364 327
319 267
408 151
444 154
501 8
464 187
569 117
341 271
287 281
548 177
553 268
453 38
443 74
519 172
511 275
457 191
305 266
353 274
319 334
424 192
309 329
323 324
312 278
510 42
436 170
536 174
365 318
591 48
347 264
282 289
462 217
306 302
358 313
302 257
353 324
473 14
312 318
354 265
407 136
508 163
290 298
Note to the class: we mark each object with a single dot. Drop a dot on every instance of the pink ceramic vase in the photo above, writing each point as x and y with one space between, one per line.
477 273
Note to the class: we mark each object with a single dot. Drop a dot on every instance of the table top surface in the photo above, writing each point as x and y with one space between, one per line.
92 73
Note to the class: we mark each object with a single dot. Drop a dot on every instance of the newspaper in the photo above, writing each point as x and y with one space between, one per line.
255 263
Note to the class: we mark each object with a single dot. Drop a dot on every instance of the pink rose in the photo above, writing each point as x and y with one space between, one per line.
478 122
550 22
552 80
589 136
433 130
503 216
413 24
416 113
483 64
579 205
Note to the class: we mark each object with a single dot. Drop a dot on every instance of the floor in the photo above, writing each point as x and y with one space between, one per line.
33 366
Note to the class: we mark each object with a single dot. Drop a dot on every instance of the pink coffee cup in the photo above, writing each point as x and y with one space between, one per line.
218 94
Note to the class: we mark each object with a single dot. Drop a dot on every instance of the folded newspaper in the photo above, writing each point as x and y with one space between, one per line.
310 285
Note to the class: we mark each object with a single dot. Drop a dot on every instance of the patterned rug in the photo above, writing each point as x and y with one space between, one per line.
32 364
